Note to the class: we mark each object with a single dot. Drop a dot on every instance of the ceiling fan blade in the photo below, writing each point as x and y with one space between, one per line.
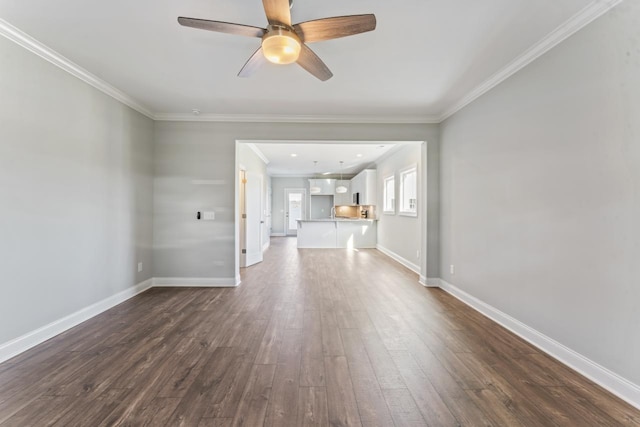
336 27
253 64
313 64
222 27
277 11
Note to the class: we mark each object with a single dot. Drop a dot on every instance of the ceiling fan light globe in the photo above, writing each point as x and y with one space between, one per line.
281 46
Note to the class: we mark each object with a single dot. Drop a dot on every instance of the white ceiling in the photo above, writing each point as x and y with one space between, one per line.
328 155
424 56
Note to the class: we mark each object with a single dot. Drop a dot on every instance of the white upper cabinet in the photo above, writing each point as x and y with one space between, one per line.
327 186
343 199
365 184
355 186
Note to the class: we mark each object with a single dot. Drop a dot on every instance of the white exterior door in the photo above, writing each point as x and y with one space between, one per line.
294 209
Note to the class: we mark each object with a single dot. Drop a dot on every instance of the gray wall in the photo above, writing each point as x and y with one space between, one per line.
76 193
541 194
278 185
397 233
193 172
206 151
431 174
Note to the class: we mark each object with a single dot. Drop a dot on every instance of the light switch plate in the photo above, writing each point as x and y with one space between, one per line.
209 216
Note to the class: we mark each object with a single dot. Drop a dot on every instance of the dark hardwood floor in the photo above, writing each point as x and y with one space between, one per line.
311 337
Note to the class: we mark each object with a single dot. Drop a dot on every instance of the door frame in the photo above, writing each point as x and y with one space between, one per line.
427 191
304 208
241 181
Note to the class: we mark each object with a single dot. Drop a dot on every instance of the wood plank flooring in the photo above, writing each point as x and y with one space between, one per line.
310 338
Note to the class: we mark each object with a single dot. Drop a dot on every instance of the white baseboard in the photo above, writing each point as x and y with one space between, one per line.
278 235
31 339
411 266
602 376
266 246
25 342
429 282
200 282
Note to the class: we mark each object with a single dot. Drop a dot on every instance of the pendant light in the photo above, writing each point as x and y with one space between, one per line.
341 189
314 189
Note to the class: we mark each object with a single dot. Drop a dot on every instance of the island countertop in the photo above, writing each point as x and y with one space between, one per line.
337 220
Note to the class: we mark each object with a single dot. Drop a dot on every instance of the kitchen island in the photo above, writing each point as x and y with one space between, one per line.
337 233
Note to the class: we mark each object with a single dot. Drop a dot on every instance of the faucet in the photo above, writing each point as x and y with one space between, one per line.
333 212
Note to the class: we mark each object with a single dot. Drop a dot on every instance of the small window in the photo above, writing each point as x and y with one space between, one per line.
409 192
389 205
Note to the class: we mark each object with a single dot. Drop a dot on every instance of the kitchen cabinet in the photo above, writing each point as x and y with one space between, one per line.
317 234
327 186
357 234
365 184
343 199
356 184
337 233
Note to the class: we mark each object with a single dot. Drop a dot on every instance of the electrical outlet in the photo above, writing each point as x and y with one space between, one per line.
139 267
452 269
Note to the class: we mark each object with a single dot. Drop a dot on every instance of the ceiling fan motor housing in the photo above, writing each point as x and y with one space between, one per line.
281 44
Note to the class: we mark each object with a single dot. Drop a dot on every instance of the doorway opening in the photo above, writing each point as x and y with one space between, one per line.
295 174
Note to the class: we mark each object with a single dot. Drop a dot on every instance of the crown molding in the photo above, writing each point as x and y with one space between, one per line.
293 118
300 175
26 41
588 14
258 152
393 151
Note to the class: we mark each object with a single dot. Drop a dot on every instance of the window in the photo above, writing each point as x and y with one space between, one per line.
389 205
409 191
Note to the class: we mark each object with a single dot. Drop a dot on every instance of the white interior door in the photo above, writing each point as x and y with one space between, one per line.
294 209
254 219
243 221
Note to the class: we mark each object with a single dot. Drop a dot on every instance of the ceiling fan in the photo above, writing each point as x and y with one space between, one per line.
284 43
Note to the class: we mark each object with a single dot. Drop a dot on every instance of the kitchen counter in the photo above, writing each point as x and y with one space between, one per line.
336 233
337 220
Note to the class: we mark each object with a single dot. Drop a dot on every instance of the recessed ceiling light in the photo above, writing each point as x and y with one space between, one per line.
381 146
327 173
358 155
294 155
